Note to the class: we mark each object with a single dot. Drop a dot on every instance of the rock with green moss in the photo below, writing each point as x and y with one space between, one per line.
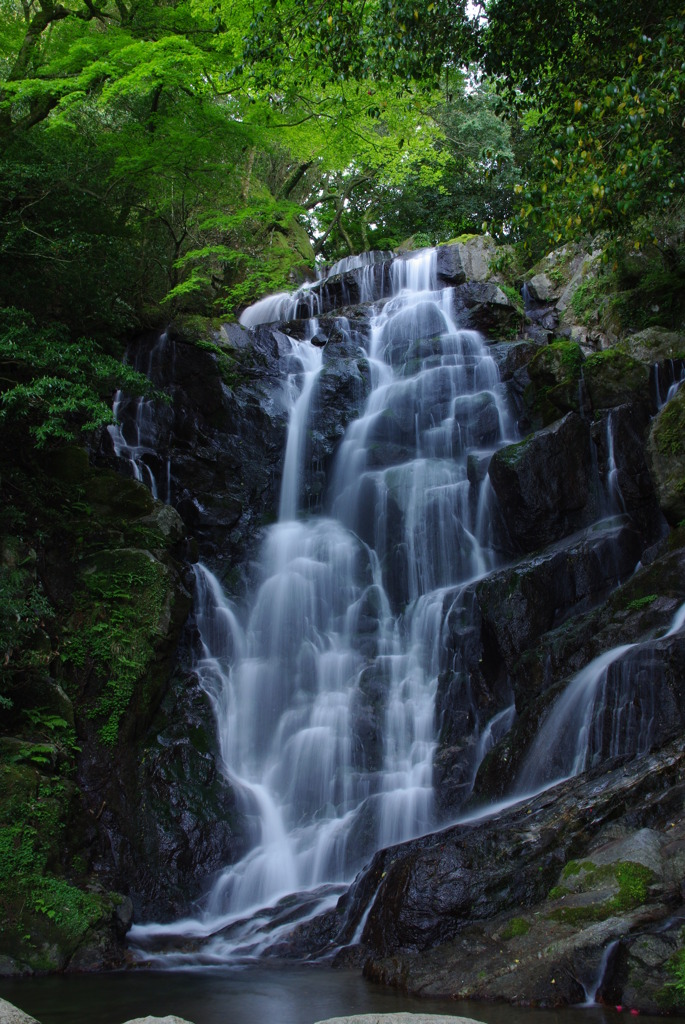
613 377
103 601
550 278
486 307
466 259
167 816
544 482
555 374
644 972
666 455
439 920
127 616
654 345
574 286
54 915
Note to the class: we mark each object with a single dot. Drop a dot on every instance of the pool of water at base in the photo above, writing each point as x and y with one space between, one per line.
256 995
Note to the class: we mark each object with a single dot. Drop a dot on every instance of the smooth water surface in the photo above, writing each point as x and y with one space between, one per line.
260 995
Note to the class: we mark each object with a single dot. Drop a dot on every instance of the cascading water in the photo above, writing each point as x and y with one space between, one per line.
608 709
140 420
667 378
325 698
307 301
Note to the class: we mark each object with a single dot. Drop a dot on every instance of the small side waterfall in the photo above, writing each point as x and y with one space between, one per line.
667 379
307 359
613 497
325 692
140 421
608 709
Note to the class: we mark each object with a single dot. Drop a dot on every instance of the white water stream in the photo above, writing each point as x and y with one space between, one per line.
324 693
324 687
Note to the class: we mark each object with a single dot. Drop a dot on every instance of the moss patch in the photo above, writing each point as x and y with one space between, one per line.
460 239
613 377
516 927
511 454
633 882
670 431
119 614
514 297
44 916
640 602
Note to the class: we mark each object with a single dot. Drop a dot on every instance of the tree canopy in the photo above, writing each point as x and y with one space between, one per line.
166 154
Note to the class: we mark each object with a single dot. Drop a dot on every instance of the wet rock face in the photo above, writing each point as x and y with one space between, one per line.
521 603
170 819
215 450
483 306
545 484
570 474
339 395
666 455
498 894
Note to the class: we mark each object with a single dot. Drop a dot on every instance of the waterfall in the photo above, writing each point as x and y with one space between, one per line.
139 421
324 688
308 362
307 301
667 378
608 709
613 497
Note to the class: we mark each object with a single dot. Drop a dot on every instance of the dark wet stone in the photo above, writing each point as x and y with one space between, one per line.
545 483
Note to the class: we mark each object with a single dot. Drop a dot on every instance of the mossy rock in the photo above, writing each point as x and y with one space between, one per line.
614 378
164 521
666 457
126 498
555 372
654 345
515 928
560 265
69 465
194 328
595 892
556 363
121 635
46 915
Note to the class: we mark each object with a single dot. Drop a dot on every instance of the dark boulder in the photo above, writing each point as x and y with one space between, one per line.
666 455
520 603
169 817
432 888
485 307
545 483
